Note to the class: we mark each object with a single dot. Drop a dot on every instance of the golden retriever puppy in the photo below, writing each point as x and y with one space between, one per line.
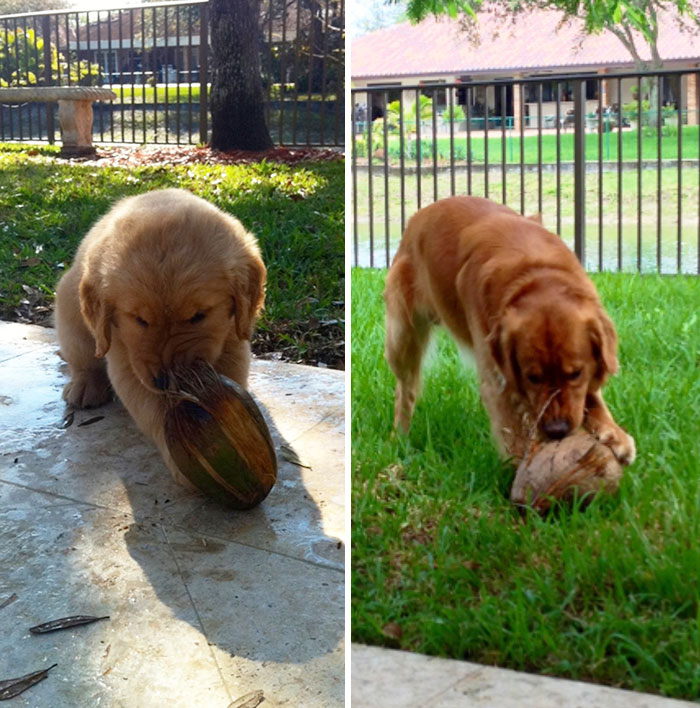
517 297
162 279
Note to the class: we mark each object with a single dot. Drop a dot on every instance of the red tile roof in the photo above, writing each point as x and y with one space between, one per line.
535 41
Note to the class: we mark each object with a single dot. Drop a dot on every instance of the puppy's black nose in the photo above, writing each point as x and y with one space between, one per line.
556 429
161 381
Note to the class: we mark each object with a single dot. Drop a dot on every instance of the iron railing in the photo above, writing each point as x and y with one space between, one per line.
618 178
157 59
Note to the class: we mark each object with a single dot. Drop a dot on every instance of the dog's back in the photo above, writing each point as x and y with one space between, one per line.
421 281
490 243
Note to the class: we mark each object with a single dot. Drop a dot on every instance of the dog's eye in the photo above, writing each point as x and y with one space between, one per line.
198 317
574 375
534 379
141 321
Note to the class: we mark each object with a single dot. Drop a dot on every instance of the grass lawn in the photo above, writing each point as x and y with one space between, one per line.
443 564
297 212
184 92
149 94
509 148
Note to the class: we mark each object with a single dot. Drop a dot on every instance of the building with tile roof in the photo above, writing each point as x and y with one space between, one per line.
439 51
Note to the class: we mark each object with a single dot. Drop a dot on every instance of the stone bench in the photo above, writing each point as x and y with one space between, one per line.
74 111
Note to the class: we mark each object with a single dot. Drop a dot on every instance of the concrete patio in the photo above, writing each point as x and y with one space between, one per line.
206 605
388 678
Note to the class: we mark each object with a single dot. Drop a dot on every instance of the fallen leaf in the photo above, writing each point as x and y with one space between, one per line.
90 421
65 623
13 687
290 456
393 630
250 700
9 600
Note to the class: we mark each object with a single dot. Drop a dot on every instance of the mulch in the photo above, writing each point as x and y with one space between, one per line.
130 156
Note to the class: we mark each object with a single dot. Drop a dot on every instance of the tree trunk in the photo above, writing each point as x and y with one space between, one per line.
650 86
237 101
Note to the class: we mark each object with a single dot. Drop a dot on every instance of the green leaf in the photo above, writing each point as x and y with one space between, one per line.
617 14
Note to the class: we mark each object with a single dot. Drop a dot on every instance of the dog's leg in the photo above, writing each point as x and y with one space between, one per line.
234 361
600 422
406 341
88 386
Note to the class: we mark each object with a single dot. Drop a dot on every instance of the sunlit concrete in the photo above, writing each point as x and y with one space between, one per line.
400 679
206 605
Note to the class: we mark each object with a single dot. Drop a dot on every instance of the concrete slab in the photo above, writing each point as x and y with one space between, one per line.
400 679
206 605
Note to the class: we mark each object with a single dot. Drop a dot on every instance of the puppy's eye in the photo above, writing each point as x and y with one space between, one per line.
534 379
574 375
198 317
141 322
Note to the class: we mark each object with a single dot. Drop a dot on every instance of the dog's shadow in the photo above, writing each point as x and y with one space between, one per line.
264 584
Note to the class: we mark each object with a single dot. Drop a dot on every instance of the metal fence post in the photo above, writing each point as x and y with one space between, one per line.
203 75
48 76
580 170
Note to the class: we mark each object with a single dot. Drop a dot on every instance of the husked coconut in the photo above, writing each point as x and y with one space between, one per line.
576 465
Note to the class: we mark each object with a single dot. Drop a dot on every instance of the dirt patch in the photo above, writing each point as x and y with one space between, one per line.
310 342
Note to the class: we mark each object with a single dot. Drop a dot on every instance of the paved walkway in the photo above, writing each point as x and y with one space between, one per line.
206 605
385 678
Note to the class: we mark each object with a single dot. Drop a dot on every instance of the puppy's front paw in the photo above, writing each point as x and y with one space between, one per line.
87 389
619 442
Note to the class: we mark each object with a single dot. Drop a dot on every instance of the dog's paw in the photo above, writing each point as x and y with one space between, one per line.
619 442
87 390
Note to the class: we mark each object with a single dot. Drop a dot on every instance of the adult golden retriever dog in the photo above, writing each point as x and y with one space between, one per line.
162 279
514 294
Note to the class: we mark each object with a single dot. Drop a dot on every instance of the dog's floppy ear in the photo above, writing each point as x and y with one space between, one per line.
97 313
604 344
248 294
537 218
502 343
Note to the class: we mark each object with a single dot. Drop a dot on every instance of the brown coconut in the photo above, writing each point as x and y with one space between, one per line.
577 465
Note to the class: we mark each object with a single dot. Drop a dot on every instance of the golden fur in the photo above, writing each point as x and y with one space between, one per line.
164 278
514 294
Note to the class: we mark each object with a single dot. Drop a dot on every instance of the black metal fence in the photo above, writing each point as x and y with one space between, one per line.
611 161
157 59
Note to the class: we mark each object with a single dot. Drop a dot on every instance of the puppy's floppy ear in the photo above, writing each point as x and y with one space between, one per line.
604 344
97 313
248 294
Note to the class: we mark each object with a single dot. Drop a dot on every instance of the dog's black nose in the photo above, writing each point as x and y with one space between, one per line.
161 382
556 429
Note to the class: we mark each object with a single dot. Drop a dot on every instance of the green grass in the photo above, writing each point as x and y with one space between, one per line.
149 94
297 213
443 564
532 146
